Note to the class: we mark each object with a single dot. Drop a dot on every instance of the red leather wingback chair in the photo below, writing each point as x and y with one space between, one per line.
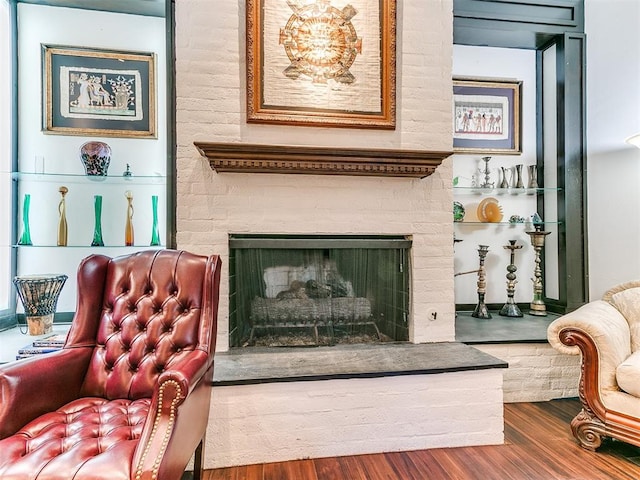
128 395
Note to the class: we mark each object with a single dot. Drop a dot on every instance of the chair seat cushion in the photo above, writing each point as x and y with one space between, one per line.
88 438
628 374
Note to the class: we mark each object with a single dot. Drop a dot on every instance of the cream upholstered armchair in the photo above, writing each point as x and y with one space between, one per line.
607 334
127 397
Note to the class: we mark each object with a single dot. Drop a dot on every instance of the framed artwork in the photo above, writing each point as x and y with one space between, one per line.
98 92
487 116
322 62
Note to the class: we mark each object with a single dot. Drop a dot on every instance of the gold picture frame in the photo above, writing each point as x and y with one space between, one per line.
487 116
98 92
328 63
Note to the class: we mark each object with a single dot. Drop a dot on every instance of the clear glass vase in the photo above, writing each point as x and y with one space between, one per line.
97 229
155 234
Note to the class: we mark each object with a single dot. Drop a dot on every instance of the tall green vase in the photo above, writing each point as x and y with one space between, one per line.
155 234
25 238
97 229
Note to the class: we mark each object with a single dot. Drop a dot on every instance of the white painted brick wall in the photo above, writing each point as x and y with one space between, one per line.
284 421
210 85
537 372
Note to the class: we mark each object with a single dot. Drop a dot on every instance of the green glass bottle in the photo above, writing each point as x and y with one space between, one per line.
25 238
97 229
155 234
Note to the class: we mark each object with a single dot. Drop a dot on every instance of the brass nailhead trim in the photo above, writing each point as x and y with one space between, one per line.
154 431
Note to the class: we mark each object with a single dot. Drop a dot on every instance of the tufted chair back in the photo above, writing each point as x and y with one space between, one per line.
626 298
128 396
150 320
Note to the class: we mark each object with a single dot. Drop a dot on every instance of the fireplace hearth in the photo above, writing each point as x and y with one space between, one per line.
318 290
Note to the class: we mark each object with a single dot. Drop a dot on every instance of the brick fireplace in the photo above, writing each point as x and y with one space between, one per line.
220 198
282 204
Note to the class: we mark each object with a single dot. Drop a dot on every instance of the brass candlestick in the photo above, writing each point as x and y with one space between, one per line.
481 310
62 222
537 304
510 308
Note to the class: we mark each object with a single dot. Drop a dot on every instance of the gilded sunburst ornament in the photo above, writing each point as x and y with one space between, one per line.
321 42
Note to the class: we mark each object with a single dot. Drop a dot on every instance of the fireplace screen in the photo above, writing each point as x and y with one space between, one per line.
317 290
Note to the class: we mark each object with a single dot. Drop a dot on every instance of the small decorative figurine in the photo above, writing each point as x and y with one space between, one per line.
127 174
128 229
62 222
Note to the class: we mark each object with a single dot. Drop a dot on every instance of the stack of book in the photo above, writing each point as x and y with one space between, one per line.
47 344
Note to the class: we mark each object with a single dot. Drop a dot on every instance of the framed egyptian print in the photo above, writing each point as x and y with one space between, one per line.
487 116
322 62
98 92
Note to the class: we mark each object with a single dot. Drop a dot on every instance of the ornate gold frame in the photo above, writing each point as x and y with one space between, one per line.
486 91
56 120
348 115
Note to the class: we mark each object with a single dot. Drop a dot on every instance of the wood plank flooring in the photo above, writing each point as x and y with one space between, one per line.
538 446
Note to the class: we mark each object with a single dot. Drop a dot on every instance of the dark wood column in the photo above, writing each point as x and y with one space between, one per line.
571 171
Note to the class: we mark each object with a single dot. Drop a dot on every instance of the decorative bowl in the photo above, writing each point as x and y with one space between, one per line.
489 210
458 212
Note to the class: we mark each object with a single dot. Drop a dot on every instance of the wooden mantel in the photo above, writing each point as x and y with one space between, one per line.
252 158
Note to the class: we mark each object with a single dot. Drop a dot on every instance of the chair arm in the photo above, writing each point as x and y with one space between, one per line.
598 331
33 386
174 387
188 372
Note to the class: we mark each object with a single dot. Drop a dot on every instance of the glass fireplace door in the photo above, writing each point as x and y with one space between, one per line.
295 291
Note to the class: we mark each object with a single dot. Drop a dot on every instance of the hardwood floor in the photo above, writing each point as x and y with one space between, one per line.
538 446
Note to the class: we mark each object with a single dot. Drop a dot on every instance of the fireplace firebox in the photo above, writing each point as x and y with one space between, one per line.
318 290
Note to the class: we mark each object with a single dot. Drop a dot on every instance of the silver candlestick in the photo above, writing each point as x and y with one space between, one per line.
481 310
510 308
487 174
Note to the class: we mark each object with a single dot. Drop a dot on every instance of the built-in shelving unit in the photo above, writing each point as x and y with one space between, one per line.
45 256
555 31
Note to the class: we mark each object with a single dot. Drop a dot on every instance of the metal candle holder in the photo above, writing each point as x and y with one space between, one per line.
510 308
537 304
487 174
481 310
